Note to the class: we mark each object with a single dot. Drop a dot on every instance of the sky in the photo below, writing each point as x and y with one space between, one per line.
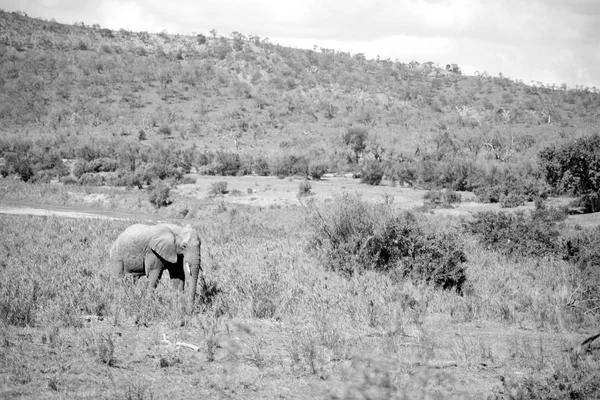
549 41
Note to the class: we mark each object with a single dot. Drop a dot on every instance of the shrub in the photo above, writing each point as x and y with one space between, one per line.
218 188
89 179
451 197
443 199
20 164
356 139
102 165
305 189
189 180
573 167
372 173
69 180
165 130
353 236
512 200
317 169
129 179
290 165
79 168
260 166
159 195
583 249
516 233
577 382
225 164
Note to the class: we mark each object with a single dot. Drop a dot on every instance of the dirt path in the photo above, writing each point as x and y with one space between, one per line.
25 208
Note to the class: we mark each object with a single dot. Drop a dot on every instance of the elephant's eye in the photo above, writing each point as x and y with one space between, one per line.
183 245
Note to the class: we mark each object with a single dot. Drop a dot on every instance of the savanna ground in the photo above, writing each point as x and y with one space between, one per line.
280 324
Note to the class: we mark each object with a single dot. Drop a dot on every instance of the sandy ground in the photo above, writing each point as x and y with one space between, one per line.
272 191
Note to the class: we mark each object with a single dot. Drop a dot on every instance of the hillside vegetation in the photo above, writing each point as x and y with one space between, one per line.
133 107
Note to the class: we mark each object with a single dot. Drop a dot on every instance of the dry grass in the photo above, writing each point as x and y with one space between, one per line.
280 325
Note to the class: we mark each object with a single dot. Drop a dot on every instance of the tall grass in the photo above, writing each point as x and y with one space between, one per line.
277 310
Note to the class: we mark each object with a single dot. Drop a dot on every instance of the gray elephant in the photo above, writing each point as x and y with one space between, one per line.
151 249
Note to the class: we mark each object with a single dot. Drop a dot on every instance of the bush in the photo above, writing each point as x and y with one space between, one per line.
353 236
442 198
356 139
159 195
20 164
218 188
512 200
89 179
578 382
305 189
69 180
129 179
290 165
583 250
225 164
165 130
574 167
516 233
102 165
316 170
260 166
372 173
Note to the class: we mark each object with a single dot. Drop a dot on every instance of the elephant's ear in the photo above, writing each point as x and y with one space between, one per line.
164 245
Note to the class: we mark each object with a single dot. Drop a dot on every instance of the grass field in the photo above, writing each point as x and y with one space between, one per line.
280 325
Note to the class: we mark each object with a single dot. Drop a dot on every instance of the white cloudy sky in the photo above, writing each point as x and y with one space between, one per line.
552 41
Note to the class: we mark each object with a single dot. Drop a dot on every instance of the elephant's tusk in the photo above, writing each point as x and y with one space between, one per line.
186 268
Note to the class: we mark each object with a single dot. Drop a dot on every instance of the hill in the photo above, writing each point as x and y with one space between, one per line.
241 104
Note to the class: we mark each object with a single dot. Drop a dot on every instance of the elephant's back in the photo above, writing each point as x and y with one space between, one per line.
131 243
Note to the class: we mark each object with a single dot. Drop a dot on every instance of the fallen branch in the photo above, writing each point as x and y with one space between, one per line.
586 343
179 344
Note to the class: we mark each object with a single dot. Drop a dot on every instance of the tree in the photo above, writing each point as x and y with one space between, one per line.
356 139
574 168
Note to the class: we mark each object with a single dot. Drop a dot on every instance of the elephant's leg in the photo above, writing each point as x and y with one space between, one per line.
154 269
117 268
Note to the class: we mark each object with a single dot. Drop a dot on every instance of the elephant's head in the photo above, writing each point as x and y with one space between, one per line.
175 243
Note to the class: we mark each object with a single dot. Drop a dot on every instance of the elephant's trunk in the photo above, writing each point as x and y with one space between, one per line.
194 263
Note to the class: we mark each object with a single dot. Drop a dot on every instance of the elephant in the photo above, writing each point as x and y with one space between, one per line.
151 249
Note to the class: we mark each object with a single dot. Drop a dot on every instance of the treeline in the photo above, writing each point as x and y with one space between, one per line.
501 170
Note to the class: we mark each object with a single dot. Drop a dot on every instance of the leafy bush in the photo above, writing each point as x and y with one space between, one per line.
159 194
512 200
260 166
129 179
372 173
353 236
289 165
356 139
583 249
317 169
89 179
440 198
305 189
165 130
18 163
102 165
224 164
534 234
69 180
580 382
573 167
218 188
